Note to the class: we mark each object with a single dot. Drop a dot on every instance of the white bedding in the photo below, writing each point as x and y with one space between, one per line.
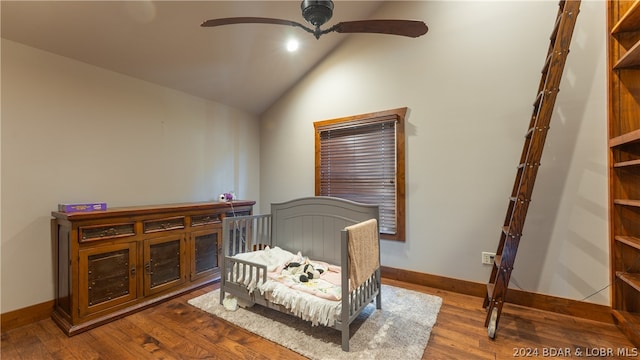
317 300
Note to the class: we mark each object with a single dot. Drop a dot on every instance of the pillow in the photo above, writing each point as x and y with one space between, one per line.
272 258
277 257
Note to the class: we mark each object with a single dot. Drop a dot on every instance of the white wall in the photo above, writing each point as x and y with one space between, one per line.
72 132
470 84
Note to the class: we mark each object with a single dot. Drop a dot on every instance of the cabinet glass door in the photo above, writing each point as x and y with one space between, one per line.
164 263
205 252
107 276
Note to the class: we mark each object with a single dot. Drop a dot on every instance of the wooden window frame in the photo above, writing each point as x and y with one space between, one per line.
399 115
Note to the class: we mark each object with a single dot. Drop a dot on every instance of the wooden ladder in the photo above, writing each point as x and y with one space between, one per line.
529 162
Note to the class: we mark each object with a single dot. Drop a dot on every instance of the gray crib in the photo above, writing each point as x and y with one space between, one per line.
312 225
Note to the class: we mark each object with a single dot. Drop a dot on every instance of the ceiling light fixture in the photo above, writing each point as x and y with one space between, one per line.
292 45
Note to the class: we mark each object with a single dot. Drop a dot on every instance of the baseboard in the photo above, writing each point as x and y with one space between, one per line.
25 316
581 309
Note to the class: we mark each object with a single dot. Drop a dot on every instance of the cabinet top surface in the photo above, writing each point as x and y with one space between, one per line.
152 209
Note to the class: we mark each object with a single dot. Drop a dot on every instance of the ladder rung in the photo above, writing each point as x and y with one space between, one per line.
490 288
540 128
515 199
505 230
538 99
547 62
523 165
554 33
529 133
528 164
561 4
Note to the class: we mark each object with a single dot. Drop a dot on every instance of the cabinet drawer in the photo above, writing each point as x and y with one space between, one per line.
240 211
166 224
100 232
199 220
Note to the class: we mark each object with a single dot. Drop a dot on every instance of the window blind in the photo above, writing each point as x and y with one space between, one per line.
358 162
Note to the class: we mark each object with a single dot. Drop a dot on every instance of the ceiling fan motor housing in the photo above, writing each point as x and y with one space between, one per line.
317 12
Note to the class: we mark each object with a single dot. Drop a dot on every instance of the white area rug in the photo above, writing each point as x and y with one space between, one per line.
400 330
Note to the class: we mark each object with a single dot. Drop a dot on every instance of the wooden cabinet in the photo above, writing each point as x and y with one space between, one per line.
624 163
111 263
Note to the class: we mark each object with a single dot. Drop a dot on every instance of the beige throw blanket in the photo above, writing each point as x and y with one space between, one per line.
364 252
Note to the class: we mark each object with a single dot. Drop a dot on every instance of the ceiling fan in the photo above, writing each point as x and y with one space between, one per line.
318 12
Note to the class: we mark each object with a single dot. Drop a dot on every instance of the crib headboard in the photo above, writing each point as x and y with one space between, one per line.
312 225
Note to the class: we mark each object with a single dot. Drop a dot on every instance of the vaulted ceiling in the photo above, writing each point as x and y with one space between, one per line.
245 66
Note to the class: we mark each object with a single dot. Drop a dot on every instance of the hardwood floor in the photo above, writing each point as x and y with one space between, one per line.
176 330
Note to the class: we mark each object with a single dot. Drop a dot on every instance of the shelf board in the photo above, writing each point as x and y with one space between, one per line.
632 241
627 202
630 21
624 139
630 59
622 164
632 279
629 323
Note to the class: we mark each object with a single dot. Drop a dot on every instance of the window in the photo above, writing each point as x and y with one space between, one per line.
361 158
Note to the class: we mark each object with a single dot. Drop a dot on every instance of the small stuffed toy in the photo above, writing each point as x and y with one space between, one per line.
305 272
226 197
230 303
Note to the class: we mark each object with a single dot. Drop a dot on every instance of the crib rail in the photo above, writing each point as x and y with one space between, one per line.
240 276
242 234
355 300
245 233
364 294
244 274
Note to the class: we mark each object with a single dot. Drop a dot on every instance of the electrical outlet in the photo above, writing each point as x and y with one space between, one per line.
488 257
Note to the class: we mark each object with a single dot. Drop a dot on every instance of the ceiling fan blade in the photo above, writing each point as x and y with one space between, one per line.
410 28
252 20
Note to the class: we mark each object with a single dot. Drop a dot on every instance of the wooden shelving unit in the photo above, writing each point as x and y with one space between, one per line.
624 163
